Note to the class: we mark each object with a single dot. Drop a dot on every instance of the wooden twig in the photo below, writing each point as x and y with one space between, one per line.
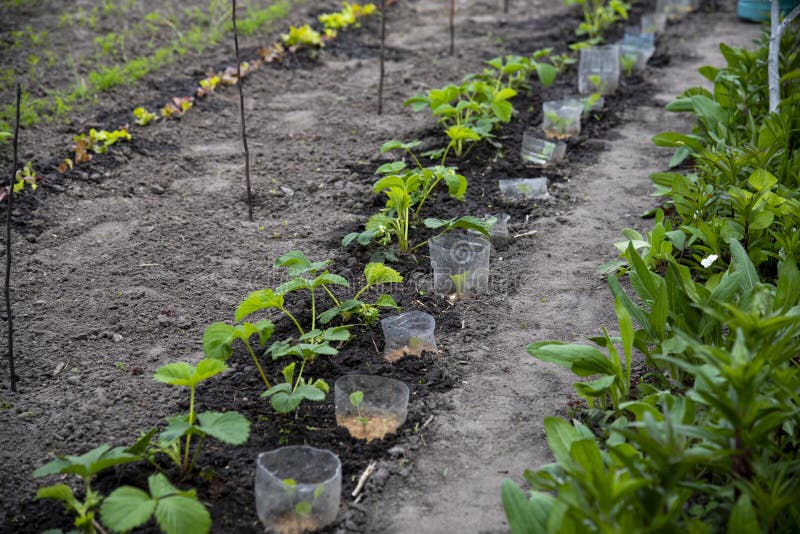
505 6
452 27
426 423
526 234
239 82
364 477
10 206
382 57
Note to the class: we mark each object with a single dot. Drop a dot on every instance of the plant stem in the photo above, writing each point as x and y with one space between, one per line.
239 83
290 316
189 437
355 297
415 247
425 197
9 314
313 309
331 295
382 57
196 452
258 364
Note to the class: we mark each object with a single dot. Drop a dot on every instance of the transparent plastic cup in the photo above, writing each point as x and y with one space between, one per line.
640 54
298 489
518 189
598 70
460 264
590 104
540 151
654 22
380 408
500 237
408 334
562 118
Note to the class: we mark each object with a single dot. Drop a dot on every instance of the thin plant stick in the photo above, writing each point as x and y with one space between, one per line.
383 52
240 81
452 27
505 6
10 206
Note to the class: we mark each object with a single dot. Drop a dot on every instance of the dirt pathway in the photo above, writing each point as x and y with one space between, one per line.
494 427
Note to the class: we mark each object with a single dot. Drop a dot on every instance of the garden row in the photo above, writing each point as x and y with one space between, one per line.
469 113
701 434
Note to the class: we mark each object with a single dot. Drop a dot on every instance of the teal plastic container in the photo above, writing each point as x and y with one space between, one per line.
758 10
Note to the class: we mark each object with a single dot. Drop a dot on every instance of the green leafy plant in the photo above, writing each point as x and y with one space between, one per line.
302 36
218 341
376 274
175 511
143 117
228 427
86 467
347 17
598 16
628 61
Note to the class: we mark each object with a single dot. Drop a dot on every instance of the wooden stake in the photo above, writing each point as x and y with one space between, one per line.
505 6
10 206
452 27
239 82
383 48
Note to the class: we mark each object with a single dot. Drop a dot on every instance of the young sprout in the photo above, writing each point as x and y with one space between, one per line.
356 398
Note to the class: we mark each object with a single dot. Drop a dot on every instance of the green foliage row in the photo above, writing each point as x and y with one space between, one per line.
706 440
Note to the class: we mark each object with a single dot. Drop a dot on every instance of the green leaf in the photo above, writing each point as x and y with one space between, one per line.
309 392
462 133
391 168
743 518
525 516
356 398
762 179
229 427
58 492
378 273
217 341
673 139
546 73
297 264
399 145
180 515
89 464
258 300
140 447
595 388
560 437
581 359
386 301
788 290
177 427
302 509
743 264
176 373
127 508
161 487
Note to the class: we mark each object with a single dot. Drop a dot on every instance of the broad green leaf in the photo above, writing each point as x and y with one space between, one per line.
462 133
127 508
258 300
217 341
762 179
177 427
560 437
581 359
546 73
525 516
378 273
391 168
595 388
285 402
176 373
180 515
309 392
207 368
386 301
673 139
356 398
399 145
58 492
87 465
743 264
297 263
229 427
788 290
743 518
160 487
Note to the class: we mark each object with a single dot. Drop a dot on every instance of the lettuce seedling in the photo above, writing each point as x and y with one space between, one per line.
375 274
302 36
86 467
176 511
143 117
218 341
98 142
228 427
